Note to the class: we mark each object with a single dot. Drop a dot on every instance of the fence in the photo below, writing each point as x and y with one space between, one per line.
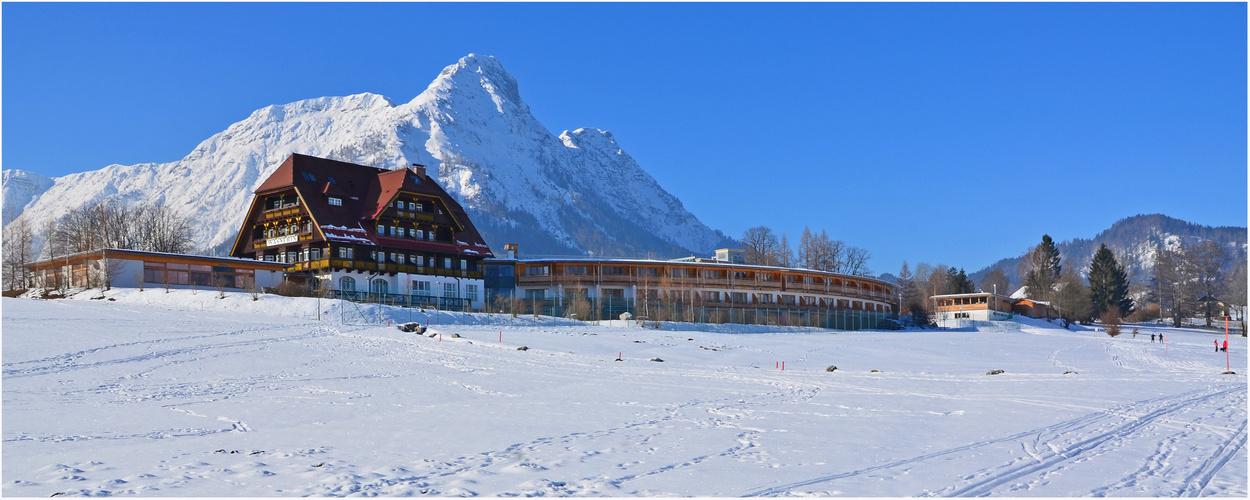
402 300
597 308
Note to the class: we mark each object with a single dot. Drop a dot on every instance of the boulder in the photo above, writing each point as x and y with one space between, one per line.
523 348
831 368
994 372
657 360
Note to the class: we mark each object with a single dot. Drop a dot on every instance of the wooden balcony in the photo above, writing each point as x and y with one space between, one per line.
365 265
286 211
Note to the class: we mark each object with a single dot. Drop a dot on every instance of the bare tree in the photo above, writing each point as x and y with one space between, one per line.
996 281
1071 298
761 246
857 261
1208 258
1234 294
18 253
785 255
1176 283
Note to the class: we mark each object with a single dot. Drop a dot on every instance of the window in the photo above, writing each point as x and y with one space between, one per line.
449 290
711 296
418 207
316 254
338 202
153 275
575 270
271 233
420 234
710 274
381 229
412 206
412 233
614 271
739 297
378 285
331 179
393 257
308 176
741 275
680 272
421 288
399 204
464 265
470 292
648 271
400 259
535 295
392 230
430 235
345 252
421 260
447 262
537 271
268 258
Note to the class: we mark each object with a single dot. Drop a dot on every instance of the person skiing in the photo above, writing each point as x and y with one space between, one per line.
1217 345
1225 346
1160 338
1152 338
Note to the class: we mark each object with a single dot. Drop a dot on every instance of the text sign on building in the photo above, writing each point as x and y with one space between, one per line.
282 241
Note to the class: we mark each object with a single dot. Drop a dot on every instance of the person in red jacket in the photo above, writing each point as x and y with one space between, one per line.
1217 345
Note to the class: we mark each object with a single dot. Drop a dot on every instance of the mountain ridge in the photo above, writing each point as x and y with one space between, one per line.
1134 240
576 192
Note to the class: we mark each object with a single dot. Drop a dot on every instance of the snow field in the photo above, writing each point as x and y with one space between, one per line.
187 394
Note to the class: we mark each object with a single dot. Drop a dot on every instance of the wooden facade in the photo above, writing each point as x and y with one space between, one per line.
343 226
704 283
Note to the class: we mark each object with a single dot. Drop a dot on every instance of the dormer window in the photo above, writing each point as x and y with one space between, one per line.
338 202
416 207
308 176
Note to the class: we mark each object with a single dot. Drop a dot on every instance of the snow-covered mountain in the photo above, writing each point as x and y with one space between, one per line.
1135 241
576 192
21 188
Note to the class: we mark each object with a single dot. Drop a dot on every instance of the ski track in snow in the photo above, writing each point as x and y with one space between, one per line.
1052 449
741 418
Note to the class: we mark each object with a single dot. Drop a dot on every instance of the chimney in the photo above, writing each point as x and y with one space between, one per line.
511 250
419 169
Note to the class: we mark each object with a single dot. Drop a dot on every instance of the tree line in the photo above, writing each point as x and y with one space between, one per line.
93 226
816 251
1186 281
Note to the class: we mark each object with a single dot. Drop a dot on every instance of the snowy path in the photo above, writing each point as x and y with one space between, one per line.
160 395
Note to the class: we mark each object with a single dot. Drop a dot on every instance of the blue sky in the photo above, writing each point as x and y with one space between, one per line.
953 133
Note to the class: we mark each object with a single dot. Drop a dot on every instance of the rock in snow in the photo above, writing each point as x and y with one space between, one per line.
577 191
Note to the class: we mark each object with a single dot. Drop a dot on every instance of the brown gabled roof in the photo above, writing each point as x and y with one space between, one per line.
365 192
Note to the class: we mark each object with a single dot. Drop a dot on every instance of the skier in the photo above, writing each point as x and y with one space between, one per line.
1152 338
1160 338
1217 345
1225 346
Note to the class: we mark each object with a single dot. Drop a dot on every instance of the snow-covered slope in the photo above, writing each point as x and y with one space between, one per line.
573 192
185 394
20 188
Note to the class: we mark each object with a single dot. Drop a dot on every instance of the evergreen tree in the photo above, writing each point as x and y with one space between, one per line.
1108 284
1042 269
958 282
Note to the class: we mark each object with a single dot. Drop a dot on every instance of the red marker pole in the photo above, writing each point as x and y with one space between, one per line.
783 366
1227 365
501 336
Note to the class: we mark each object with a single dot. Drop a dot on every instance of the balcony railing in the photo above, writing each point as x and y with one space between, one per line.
402 300
365 265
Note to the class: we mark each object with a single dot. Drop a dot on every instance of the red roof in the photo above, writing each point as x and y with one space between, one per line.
365 192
